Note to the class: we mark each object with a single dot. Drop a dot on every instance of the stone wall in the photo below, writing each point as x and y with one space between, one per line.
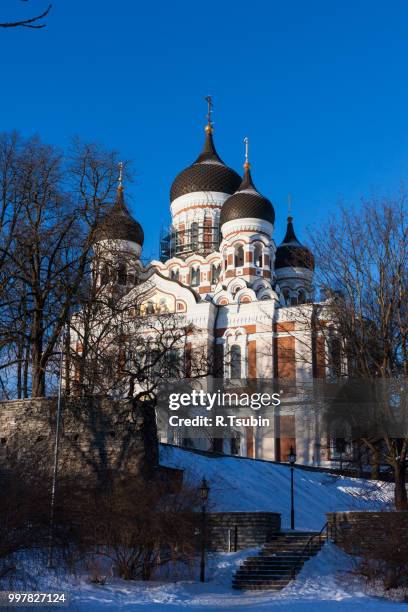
99 437
355 532
239 530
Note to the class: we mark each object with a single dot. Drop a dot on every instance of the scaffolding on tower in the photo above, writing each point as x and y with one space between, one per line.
198 239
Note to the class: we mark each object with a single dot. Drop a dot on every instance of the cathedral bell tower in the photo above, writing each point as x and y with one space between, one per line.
247 222
118 244
197 195
294 267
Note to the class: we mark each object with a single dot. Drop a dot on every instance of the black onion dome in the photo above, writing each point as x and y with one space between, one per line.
118 223
291 253
207 173
247 202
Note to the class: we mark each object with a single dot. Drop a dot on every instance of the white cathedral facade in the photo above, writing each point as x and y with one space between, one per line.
221 270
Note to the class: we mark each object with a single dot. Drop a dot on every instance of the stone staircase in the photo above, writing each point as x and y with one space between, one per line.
279 561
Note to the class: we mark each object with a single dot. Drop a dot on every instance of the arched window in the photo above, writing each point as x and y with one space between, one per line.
239 256
286 295
335 351
153 362
236 361
235 443
163 307
150 307
215 273
105 274
294 300
258 255
194 235
174 274
122 274
301 297
195 276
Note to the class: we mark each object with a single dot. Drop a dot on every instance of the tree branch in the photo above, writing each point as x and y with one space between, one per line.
28 23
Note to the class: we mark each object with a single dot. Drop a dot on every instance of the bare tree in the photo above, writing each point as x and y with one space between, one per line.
359 331
52 203
124 345
31 22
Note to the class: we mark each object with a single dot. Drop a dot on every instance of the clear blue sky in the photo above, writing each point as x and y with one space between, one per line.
319 87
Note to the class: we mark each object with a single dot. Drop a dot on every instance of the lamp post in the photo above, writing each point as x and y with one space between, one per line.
292 461
204 491
56 453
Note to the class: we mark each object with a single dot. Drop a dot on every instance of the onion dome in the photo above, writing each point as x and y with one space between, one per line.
247 202
291 253
118 223
207 173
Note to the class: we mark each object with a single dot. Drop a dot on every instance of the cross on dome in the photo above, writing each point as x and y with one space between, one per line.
246 164
210 105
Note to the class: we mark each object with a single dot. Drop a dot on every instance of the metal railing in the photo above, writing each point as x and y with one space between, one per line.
308 549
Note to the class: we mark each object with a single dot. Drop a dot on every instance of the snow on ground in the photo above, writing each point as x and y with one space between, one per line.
253 486
322 586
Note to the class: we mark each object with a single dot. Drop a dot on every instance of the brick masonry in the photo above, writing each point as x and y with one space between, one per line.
99 437
355 532
251 528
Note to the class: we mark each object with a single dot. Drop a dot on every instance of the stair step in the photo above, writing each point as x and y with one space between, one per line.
254 587
262 583
284 556
268 567
280 559
296 551
264 575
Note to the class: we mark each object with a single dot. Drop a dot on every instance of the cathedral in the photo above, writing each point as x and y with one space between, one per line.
221 269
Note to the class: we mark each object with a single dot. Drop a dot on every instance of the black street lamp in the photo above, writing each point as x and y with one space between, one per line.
292 461
204 491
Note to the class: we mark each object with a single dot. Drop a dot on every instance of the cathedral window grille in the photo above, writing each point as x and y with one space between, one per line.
258 256
195 276
236 361
215 273
239 256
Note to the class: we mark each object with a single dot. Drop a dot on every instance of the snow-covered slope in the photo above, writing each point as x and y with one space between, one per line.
324 585
248 485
